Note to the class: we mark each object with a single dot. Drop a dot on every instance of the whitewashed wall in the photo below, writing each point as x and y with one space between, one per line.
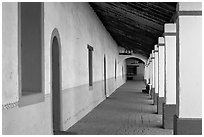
78 26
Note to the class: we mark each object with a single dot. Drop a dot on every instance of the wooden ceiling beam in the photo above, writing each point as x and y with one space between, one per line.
135 25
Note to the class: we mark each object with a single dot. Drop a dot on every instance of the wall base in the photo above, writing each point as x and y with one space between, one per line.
187 126
155 98
169 110
160 101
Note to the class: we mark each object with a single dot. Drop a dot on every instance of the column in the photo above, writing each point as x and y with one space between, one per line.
161 53
188 118
156 73
152 71
147 76
150 75
146 73
153 83
169 108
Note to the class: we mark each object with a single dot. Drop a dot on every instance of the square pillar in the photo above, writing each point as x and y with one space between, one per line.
188 118
150 68
153 78
156 73
147 77
161 59
169 108
150 75
153 67
146 74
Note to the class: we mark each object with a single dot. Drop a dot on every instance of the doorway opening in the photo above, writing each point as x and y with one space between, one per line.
105 76
56 87
135 69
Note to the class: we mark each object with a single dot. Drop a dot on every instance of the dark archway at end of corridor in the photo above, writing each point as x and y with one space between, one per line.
135 69
56 80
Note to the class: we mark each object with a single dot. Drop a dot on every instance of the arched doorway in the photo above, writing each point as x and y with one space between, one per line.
135 69
105 76
56 81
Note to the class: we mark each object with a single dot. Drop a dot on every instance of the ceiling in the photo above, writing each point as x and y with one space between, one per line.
135 25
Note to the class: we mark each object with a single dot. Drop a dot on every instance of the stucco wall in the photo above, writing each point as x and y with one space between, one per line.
78 26
9 53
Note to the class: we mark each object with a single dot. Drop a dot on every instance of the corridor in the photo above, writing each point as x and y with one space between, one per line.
127 111
81 68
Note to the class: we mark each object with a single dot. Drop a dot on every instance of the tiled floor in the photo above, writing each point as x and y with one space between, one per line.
127 111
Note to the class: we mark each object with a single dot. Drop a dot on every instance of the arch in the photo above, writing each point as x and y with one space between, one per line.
56 80
141 57
138 59
135 72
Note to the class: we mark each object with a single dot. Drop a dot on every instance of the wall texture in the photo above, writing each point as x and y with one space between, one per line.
78 26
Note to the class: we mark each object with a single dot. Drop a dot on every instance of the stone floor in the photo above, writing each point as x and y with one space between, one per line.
127 111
